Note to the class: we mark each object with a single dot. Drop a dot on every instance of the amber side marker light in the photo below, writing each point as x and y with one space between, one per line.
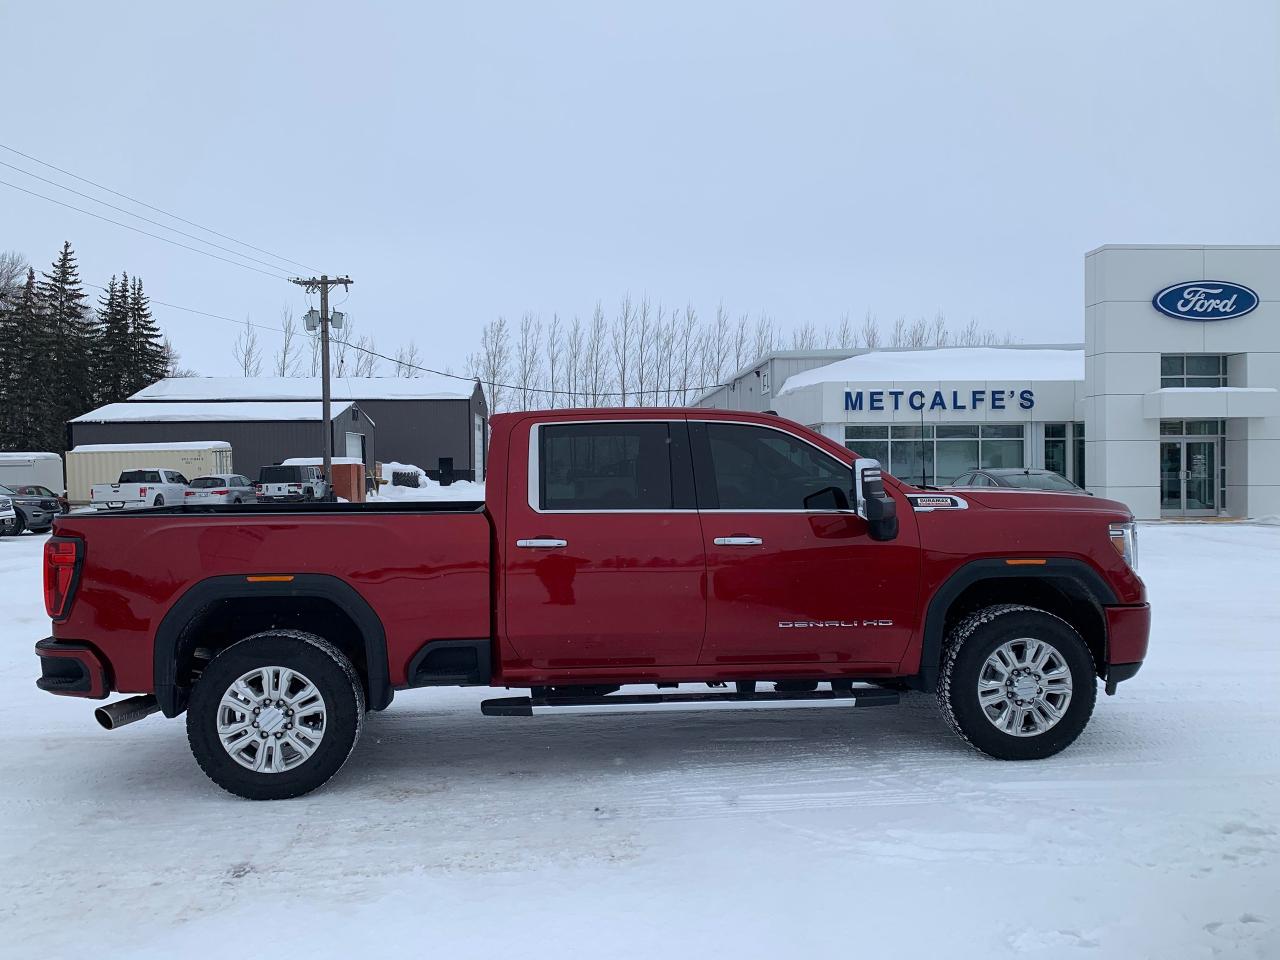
280 579
1026 563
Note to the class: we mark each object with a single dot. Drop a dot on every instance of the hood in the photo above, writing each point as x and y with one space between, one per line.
1003 498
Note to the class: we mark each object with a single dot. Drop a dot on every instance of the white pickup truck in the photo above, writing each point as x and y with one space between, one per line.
146 487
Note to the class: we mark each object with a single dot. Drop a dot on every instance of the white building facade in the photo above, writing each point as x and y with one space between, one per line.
1171 405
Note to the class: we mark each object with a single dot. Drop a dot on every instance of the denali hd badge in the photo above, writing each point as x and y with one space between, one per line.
1205 300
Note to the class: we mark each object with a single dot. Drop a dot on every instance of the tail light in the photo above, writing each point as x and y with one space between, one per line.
62 556
142 491
189 493
219 493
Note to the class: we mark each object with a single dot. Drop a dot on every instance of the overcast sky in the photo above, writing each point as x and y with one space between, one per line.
462 161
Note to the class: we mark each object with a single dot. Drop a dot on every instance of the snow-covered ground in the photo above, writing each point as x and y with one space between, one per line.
799 835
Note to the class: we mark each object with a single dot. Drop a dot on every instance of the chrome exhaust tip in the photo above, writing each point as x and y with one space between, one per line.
125 711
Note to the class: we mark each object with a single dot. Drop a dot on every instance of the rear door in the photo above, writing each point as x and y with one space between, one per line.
793 577
604 558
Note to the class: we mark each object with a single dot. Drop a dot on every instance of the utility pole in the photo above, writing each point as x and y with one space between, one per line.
322 284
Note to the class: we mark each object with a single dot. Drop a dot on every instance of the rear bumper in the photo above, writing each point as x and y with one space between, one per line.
71 669
1128 632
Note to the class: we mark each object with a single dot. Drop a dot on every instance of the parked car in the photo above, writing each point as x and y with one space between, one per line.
614 547
283 482
8 518
39 490
220 488
146 487
1019 478
35 513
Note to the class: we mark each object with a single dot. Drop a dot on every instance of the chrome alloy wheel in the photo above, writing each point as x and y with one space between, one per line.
271 719
1024 687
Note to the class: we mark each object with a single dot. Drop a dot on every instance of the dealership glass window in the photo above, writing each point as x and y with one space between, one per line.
1193 370
1055 448
943 451
1077 454
869 442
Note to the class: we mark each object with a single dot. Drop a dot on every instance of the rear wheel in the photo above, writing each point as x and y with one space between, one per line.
275 715
1017 683
159 501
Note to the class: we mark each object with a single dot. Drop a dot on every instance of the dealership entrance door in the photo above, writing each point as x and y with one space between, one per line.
1190 468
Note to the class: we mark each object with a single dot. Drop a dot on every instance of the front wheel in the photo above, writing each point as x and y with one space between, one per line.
275 715
1017 683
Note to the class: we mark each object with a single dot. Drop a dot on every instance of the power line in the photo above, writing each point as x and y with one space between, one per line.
145 233
143 203
130 213
453 376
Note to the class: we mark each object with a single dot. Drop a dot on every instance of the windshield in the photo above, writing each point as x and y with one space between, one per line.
207 483
1037 481
280 475
5 491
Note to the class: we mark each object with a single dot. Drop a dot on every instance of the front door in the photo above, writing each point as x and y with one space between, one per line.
793 577
1189 478
604 566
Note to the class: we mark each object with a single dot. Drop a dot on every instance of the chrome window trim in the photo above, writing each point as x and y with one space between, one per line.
535 448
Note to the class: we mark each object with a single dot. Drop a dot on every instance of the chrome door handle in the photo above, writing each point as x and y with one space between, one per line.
542 543
738 542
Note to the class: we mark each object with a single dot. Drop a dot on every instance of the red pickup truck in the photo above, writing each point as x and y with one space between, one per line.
742 554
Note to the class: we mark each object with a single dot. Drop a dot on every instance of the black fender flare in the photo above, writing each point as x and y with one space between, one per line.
996 568
206 592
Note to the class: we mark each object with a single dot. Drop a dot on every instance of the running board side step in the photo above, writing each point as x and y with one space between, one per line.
688 702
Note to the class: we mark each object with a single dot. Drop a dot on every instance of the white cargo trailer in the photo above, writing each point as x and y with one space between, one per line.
20 469
93 463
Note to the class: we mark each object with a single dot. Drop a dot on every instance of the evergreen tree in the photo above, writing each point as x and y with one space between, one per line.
149 360
26 370
113 356
70 349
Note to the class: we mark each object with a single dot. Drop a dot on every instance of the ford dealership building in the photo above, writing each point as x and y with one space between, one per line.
1171 404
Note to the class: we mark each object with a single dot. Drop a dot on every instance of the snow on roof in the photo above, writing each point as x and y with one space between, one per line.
29 456
317 461
946 364
427 387
180 445
222 412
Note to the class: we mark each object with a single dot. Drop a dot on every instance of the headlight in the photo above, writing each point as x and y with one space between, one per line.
1124 537
6 503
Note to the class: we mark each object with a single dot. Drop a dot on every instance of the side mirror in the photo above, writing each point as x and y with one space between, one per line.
874 505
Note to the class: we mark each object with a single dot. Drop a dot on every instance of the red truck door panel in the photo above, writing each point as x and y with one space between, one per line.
604 558
793 576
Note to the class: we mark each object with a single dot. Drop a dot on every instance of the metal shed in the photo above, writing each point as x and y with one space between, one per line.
260 432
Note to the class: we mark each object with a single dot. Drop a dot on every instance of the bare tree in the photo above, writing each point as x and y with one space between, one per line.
842 336
173 361
595 359
245 350
741 343
492 364
365 361
621 346
554 345
871 331
13 271
574 346
407 360
289 357
805 337
765 339
529 361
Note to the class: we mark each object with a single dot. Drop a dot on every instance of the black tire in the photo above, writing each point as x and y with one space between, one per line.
325 666
159 501
19 523
976 638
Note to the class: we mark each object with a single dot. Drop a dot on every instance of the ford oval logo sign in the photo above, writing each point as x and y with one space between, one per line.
1205 300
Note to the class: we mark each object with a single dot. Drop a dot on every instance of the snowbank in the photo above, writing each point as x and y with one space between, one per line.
946 363
427 488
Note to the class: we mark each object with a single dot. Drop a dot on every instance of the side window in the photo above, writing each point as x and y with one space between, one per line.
604 466
981 480
757 468
175 477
